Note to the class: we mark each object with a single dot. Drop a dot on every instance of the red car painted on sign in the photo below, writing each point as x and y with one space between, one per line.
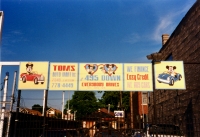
36 78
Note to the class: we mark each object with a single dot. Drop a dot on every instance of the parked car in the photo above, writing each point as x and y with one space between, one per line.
164 130
134 133
128 132
84 132
138 134
61 133
108 133
36 78
167 78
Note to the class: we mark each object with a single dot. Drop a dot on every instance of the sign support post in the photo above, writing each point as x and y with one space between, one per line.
3 108
11 104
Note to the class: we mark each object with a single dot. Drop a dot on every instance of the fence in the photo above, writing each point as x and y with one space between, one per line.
97 126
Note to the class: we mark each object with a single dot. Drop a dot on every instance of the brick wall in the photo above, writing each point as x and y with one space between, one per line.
144 108
182 106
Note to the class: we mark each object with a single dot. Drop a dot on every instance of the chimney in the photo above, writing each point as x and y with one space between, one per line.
165 37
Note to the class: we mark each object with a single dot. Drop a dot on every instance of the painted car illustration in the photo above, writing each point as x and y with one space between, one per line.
167 78
36 78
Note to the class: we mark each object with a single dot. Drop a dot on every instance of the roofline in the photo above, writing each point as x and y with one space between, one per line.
179 25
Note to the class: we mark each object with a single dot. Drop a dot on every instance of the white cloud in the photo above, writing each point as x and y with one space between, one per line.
165 26
13 37
16 32
132 38
169 22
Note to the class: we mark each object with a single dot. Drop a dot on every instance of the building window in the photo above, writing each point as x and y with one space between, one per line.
144 98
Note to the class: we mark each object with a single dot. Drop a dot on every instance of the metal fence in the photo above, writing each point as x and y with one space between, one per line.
97 126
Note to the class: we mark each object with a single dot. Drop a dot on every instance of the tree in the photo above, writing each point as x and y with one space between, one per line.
126 100
37 107
83 102
113 98
57 115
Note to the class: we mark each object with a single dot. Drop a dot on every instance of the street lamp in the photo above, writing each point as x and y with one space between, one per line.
155 57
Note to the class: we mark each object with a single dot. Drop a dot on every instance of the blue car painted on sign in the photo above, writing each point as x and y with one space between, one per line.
167 78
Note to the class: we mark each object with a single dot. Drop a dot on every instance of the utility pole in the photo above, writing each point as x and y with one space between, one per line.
131 108
4 104
17 111
75 115
68 103
45 108
120 100
142 95
63 102
11 104
108 108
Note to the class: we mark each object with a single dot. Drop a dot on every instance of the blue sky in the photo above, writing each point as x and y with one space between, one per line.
118 31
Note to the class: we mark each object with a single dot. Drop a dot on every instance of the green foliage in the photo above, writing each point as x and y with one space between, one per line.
113 98
37 107
58 115
126 100
84 102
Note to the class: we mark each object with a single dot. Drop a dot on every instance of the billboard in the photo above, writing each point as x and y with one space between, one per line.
169 75
100 77
138 77
63 76
33 75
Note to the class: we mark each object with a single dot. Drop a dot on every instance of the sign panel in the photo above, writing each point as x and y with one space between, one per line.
63 76
138 77
119 113
169 75
100 76
33 75
144 98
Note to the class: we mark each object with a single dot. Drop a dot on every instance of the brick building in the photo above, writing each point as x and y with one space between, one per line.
30 111
52 112
181 107
140 109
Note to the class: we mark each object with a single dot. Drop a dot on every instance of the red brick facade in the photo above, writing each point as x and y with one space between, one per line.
142 109
139 111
